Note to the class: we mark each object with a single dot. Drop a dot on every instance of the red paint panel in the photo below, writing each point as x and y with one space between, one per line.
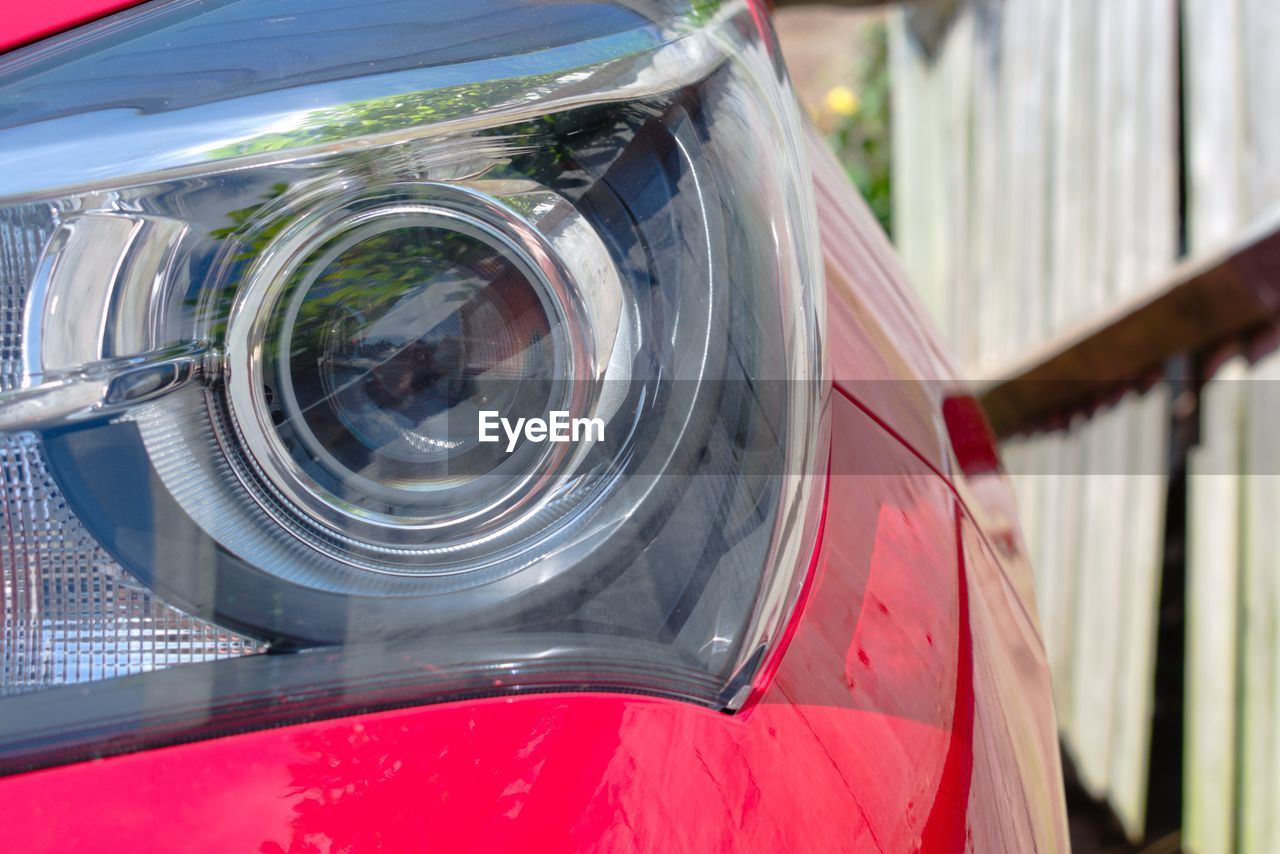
27 20
972 441
884 352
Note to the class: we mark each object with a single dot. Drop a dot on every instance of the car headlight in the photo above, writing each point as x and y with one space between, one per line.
453 347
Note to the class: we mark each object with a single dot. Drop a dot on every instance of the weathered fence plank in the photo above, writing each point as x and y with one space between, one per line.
1140 566
1212 604
1260 617
1214 122
1260 32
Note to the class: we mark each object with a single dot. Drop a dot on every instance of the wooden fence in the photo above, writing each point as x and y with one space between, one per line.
1059 167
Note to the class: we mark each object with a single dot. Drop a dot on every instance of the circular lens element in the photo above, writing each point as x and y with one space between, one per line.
385 347
392 344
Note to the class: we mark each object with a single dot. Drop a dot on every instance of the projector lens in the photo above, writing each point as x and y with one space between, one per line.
389 348
386 334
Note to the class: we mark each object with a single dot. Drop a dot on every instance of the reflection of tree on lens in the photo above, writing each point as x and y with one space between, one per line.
396 341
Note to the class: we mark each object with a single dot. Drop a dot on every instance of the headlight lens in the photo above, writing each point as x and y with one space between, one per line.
477 346
373 345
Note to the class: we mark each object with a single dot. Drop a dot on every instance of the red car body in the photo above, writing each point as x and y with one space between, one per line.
909 709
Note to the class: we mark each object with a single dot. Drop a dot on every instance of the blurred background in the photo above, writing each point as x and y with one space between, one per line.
1085 194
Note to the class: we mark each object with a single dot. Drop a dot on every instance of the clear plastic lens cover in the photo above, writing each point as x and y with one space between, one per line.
451 347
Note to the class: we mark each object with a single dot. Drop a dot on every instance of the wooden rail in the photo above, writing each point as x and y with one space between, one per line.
1198 304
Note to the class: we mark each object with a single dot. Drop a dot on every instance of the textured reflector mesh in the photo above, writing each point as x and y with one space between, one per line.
23 232
71 613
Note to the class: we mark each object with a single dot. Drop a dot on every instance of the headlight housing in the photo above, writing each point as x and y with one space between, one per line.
270 273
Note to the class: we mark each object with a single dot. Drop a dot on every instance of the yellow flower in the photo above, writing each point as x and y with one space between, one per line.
842 101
